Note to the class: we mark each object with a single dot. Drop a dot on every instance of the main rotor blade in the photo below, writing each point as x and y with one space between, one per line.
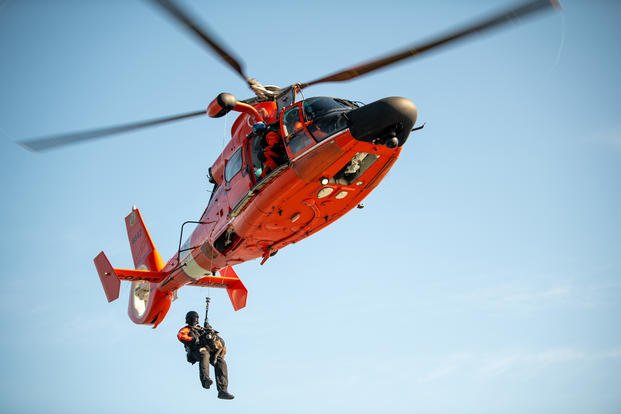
471 29
191 24
55 141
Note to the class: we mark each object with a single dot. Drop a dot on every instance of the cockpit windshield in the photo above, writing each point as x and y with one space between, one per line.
325 115
320 106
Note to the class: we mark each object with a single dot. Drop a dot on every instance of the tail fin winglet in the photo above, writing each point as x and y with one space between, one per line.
238 297
227 279
236 289
109 280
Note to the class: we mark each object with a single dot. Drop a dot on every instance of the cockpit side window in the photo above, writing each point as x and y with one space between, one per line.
233 165
296 137
292 121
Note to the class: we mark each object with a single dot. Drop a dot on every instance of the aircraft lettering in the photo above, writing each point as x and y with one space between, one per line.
167 281
137 236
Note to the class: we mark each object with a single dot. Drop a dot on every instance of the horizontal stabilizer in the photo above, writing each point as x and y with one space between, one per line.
111 277
145 275
228 279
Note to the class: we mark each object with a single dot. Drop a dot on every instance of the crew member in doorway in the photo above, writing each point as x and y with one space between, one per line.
273 151
204 345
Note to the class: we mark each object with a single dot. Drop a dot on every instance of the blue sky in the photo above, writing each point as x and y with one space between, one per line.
483 276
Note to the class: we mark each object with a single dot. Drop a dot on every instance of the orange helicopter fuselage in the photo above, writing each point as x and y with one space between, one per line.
335 153
250 217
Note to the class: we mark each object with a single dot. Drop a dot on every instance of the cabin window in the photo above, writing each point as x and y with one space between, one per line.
233 165
256 153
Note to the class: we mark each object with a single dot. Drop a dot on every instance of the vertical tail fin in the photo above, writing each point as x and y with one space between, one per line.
147 304
143 250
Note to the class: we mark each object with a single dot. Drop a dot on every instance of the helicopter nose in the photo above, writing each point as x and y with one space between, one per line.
387 121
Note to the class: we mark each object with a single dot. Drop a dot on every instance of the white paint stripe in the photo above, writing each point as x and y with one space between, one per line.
193 270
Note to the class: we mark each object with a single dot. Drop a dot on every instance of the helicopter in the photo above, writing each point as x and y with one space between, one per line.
330 154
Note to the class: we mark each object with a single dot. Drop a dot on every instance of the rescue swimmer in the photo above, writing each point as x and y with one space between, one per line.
204 345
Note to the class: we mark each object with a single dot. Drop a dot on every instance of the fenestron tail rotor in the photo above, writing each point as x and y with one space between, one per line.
489 23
